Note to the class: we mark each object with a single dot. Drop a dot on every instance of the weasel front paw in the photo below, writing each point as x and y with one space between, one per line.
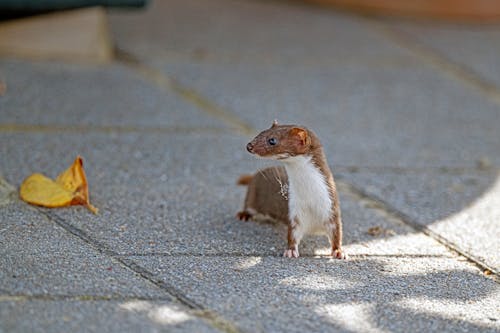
339 254
291 253
244 215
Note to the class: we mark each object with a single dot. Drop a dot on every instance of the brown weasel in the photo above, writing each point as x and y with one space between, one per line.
301 194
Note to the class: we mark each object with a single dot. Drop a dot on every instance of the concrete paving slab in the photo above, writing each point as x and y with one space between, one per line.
162 173
127 315
255 32
399 106
171 201
7 192
146 193
266 294
131 159
167 225
55 94
38 257
460 44
461 208
404 116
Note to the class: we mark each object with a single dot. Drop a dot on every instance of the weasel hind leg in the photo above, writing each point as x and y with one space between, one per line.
248 212
244 215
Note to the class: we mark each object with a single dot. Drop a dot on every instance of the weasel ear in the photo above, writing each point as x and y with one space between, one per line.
300 134
275 123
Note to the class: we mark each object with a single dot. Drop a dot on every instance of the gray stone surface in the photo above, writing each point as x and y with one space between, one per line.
475 47
38 257
155 200
151 196
7 192
128 159
265 294
397 112
127 315
405 116
166 252
254 32
112 96
461 208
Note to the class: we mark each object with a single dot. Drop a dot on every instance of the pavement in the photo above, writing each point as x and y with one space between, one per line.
408 113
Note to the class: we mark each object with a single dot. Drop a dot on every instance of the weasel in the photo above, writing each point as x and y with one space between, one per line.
301 193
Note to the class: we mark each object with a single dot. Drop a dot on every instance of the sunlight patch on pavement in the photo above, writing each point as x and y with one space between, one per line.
162 314
352 317
247 263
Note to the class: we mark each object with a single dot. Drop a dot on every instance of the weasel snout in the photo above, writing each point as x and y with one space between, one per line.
250 147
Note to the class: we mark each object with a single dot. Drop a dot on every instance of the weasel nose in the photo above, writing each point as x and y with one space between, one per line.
249 147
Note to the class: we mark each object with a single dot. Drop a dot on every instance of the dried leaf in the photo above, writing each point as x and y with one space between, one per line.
70 188
74 179
483 163
378 230
40 190
375 231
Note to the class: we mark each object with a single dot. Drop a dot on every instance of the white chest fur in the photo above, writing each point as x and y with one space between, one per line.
309 199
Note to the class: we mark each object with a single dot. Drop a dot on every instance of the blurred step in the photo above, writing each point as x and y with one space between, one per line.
75 36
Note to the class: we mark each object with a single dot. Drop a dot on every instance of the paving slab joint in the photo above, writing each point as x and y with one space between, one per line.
395 215
88 298
187 94
147 275
199 311
23 128
176 295
78 233
435 59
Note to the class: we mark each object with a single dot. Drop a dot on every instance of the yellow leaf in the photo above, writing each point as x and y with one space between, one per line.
40 190
70 188
73 179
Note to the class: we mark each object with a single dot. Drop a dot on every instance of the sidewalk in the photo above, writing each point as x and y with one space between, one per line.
409 115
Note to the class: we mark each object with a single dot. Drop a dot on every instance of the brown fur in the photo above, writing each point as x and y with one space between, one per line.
263 195
244 180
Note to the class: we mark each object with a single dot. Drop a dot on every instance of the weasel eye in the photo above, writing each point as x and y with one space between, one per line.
272 141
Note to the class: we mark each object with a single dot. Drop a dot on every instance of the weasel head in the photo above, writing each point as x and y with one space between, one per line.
281 142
